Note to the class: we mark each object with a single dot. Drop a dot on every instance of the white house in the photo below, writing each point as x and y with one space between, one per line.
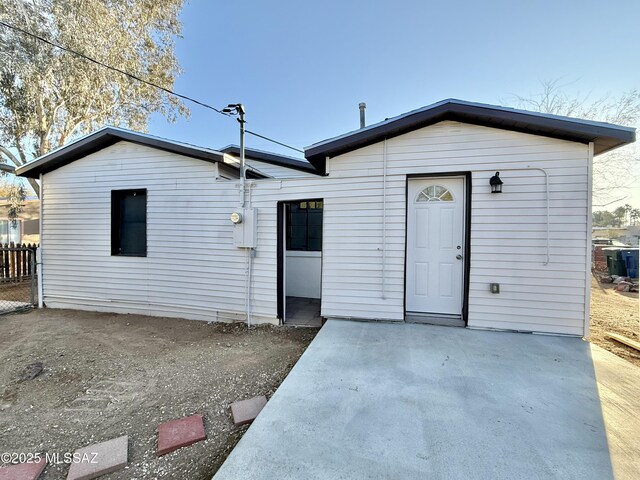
392 222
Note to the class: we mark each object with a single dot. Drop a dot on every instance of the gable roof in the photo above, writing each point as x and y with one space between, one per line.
605 136
272 158
108 136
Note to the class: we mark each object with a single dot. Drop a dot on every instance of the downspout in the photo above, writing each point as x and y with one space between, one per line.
39 250
587 285
250 254
384 220
247 287
546 186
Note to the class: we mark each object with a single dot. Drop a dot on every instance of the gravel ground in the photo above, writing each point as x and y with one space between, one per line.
614 312
108 375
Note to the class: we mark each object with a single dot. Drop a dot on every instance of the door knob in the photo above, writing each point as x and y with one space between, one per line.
459 257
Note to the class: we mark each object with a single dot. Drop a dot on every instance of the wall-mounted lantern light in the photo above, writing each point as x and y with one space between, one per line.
496 183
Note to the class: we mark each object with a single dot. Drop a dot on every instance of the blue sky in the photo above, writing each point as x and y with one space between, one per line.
301 68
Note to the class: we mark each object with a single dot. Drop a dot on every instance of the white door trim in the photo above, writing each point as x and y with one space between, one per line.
449 307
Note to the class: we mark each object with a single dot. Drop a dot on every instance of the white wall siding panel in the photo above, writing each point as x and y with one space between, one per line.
192 268
303 274
509 230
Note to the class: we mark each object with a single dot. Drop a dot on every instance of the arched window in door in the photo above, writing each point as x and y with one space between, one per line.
435 193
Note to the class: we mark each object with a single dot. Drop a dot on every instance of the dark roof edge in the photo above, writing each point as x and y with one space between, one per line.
105 137
606 136
272 158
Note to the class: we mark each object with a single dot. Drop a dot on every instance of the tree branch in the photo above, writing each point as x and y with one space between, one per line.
23 156
42 122
10 156
68 131
54 115
35 185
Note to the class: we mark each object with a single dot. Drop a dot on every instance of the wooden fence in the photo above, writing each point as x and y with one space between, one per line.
16 261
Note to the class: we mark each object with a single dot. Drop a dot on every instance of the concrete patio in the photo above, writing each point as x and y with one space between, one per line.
395 401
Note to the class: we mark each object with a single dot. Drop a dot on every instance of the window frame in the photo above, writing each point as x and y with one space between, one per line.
117 225
306 209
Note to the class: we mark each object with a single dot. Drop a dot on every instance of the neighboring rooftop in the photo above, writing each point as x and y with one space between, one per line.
605 136
272 158
108 136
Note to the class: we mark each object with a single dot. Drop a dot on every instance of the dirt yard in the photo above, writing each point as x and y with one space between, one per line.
614 312
109 375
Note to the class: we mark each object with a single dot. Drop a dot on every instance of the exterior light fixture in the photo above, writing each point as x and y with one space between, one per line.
496 183
495 288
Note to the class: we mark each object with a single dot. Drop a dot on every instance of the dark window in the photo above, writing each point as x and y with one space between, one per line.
129 223
304 230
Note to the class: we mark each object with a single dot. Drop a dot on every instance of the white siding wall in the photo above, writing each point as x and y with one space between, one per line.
303 274
193 270
508 231
351 267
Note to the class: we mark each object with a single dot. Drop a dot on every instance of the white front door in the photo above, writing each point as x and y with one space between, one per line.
435 248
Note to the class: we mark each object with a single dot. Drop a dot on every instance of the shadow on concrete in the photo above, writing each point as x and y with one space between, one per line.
618 384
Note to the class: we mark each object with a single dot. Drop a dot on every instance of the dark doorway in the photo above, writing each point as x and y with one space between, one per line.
300 225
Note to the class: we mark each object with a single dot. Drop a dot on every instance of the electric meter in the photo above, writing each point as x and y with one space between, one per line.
236 217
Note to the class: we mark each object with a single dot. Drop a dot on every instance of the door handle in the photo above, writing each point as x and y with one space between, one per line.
459 257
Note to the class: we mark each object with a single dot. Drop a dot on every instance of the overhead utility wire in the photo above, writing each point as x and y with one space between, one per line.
139 79
97 62
274 141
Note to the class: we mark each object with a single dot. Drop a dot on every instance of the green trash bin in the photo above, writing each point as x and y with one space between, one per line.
615 262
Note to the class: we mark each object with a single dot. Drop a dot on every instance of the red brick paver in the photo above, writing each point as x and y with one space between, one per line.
246 411
180 433
23 471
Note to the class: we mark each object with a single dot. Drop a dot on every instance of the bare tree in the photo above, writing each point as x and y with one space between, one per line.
613 172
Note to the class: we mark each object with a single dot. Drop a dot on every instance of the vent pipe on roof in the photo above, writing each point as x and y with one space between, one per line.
362 107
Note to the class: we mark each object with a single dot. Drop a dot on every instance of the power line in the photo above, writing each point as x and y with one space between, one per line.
274 141
612 201
115 69
139 79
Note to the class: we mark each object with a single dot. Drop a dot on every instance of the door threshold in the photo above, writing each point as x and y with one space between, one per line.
443 319
302 312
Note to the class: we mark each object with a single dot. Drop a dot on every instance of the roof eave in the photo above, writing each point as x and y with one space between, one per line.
103 138
272 158
605 137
